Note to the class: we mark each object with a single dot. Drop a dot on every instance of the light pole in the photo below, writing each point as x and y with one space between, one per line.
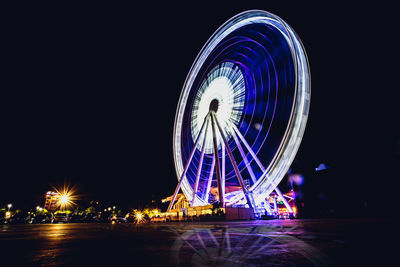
9 206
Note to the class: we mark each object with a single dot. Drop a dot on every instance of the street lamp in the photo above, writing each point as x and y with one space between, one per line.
8 215
64 199
9 206
139 217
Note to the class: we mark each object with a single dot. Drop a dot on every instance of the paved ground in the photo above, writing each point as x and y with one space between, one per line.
250 243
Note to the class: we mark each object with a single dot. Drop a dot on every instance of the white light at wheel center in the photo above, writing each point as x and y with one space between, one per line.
225 84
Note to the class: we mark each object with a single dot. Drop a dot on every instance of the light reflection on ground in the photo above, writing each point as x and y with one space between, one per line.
234 245
245 243
56 232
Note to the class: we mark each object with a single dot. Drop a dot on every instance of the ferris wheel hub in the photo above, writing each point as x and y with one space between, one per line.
214 105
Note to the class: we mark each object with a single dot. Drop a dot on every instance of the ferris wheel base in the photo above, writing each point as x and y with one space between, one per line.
182 210
208 213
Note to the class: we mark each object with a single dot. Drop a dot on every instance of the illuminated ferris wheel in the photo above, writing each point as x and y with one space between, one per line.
242 113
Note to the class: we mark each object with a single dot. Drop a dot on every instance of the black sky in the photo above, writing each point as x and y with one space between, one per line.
89 94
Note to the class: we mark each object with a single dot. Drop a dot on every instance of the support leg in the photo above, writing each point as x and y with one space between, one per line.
196 184
246 162
223 170
207 193
268 206
235 167
288 207
275 206
236 130
217 166
186 166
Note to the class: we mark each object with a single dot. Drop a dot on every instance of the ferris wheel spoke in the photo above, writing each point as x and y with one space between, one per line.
206 196
236 130
232 159
196 184
187 165
217 166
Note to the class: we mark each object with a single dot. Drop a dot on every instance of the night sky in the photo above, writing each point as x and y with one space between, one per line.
89 95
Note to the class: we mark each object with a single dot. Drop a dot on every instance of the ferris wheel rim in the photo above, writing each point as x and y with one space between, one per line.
302 96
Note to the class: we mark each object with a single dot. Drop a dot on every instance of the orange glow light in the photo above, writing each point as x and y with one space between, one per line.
294 209
67 197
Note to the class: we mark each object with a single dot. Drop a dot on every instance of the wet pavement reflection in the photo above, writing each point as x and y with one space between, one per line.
245 243
228 245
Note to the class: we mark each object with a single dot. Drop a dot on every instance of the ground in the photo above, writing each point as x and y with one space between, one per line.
242 243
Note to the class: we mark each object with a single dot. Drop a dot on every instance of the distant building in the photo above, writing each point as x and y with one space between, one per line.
181 209
51 201
181 203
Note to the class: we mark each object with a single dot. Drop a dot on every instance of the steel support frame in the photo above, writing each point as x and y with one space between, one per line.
217 166
232 159
199 168
187 165
236 130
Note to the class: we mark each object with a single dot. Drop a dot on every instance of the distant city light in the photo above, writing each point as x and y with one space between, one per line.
296 178
294 210
139 217
66 197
